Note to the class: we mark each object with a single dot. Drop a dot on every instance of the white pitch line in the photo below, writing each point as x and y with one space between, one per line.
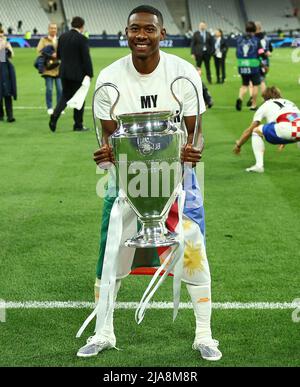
153 305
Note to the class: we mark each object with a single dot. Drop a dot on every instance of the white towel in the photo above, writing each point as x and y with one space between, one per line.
77 101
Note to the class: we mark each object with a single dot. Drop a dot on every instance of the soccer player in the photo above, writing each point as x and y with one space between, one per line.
282 127
143 79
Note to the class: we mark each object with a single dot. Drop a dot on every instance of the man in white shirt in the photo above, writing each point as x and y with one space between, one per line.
143 79
282 127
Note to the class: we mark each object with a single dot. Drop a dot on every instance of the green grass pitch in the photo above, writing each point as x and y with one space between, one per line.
50 220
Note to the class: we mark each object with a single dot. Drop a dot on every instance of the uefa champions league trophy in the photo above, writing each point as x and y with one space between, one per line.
150 143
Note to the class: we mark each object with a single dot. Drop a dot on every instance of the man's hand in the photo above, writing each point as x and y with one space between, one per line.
189 154
103 156
237 148
281 147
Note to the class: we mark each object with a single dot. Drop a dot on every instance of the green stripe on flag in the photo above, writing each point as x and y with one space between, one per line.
142 257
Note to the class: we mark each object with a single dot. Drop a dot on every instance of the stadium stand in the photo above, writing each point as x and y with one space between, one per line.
111 16
272 14
217 14
30 12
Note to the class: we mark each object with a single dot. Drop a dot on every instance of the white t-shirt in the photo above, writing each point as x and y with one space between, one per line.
274 108
148 92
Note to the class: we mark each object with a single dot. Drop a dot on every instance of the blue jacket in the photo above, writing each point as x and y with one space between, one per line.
40 61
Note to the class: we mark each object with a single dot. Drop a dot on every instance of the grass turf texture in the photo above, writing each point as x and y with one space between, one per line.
49 228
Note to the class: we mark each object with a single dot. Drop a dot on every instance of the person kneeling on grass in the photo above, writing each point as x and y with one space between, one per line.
282 127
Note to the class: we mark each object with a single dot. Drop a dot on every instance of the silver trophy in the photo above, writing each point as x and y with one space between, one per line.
147 149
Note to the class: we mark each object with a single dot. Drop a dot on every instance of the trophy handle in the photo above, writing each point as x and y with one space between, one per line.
196 137
98 131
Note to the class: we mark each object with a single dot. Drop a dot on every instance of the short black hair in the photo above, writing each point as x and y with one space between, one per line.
77 22
147 9
250 27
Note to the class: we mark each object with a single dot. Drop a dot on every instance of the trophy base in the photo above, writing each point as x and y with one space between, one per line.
154 235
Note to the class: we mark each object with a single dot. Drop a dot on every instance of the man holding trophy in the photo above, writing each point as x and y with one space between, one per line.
144 90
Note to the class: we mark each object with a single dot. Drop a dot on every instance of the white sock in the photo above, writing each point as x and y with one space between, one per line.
108 329
201 299
258 147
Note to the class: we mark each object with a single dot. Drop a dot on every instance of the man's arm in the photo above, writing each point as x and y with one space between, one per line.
190 154
86 58
245 137
40 46
9 47
212 44
224 47
58 49
105 153
193 44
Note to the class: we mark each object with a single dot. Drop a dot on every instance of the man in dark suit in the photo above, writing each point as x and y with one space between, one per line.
76 65
202 46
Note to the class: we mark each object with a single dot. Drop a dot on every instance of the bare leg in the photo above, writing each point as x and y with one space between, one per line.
243 91
254 96
263 87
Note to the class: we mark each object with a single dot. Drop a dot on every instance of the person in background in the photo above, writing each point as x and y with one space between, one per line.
202 47
51 72
221 49
282 127
264 62
249 54
76 70
19 27
50 6
120 35
8 84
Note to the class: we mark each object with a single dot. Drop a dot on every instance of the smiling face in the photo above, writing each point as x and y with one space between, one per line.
144 33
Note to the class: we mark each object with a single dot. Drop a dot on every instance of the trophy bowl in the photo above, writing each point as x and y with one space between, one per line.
147 149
